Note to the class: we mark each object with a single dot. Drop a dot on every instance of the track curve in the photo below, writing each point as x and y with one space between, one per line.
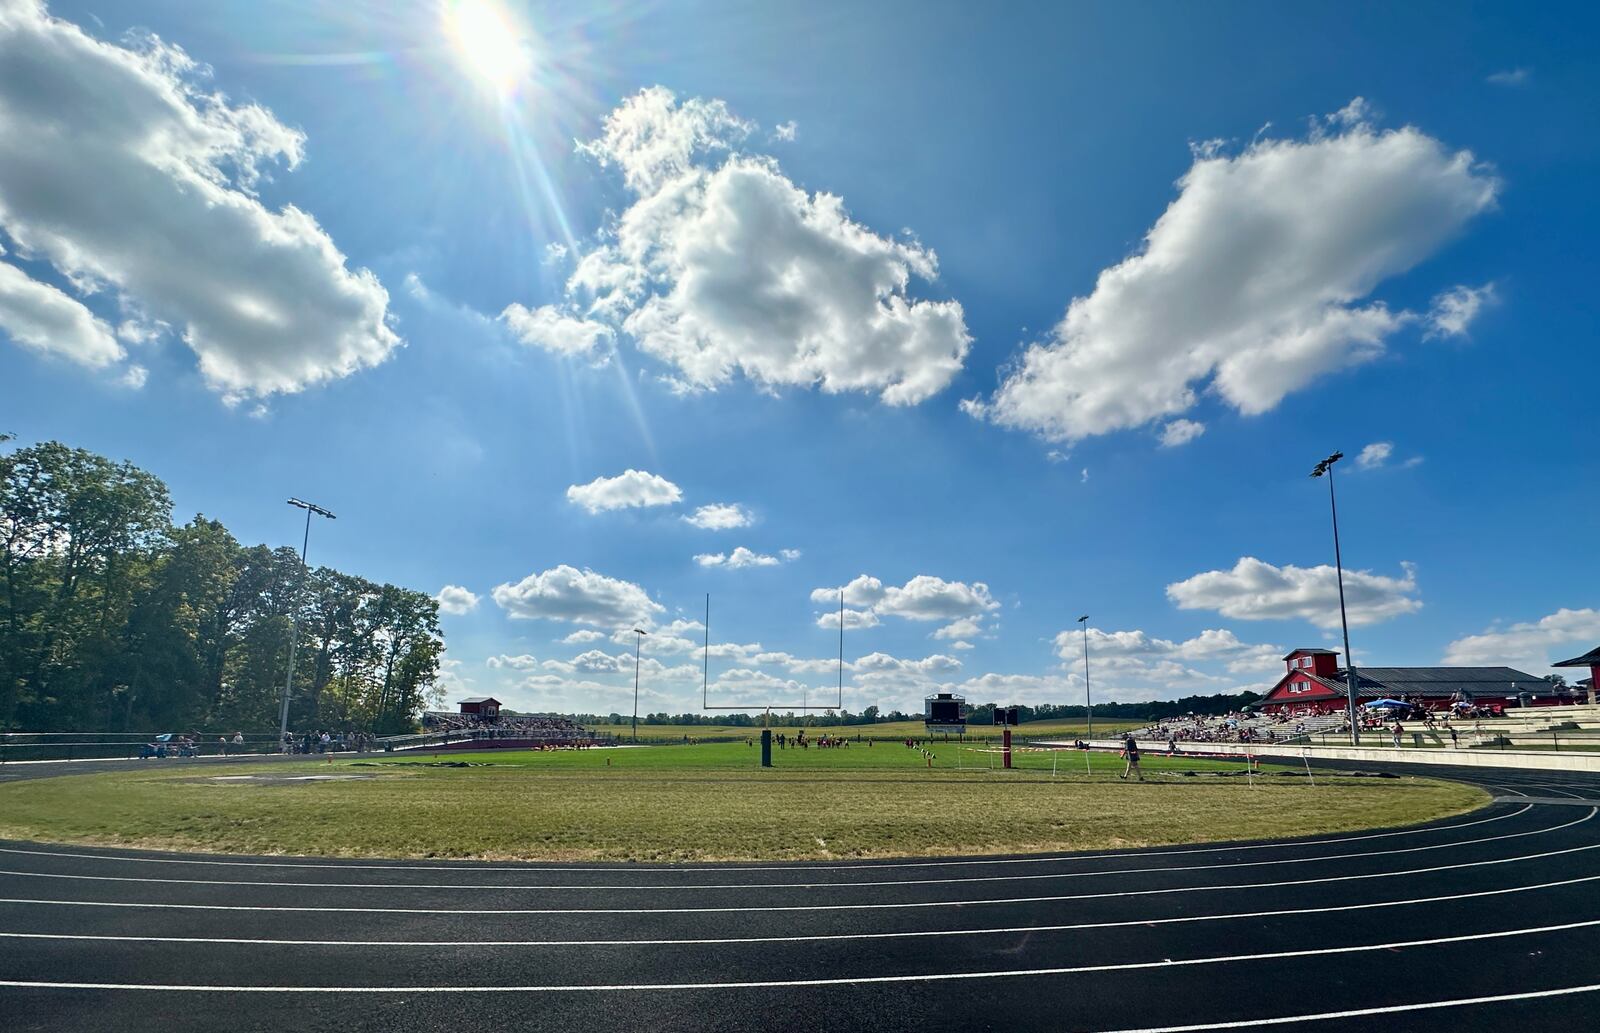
1475 922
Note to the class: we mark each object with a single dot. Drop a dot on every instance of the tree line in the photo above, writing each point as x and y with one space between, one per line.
114 618
981 714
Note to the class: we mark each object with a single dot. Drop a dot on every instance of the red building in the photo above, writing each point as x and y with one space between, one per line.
484 708
1316 684
1591 660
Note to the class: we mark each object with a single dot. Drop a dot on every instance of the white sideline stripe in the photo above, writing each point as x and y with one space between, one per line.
712 867
1126 966
1355 1013
792 907
721 940
467 886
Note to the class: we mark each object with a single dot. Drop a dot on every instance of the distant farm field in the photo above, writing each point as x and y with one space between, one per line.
702 803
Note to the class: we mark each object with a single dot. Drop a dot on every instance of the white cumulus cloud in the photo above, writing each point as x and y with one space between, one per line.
1254 282
722 266
966 627
1255 590
853 619
720 516
1454 310
1375 455
741 557
549 328
1531 646
630 489
923 598
1181 432
565 593
457 600
47 320
525 662
125 171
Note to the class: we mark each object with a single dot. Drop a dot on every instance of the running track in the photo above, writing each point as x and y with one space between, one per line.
1488 921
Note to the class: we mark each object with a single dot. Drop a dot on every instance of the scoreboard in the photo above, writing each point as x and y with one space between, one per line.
945 713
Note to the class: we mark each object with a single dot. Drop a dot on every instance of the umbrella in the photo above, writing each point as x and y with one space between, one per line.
1384 704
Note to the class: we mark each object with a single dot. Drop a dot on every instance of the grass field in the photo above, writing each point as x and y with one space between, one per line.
706 802
882 730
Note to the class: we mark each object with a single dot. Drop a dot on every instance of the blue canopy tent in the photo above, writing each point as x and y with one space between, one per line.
1385 704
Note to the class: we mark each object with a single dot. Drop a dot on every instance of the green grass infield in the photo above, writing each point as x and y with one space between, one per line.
706 802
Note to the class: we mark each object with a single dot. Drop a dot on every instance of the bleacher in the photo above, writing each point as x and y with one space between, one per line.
442 729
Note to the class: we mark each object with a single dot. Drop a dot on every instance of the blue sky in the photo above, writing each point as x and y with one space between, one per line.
996 319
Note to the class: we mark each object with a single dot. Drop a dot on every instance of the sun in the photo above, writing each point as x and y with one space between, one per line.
487 41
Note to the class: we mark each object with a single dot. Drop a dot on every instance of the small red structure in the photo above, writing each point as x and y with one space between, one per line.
484 708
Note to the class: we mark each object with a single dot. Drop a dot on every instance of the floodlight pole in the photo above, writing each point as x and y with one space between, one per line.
1326 467
294 618
1088 707
636 643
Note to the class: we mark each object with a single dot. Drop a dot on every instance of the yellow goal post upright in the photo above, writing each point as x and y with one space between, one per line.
805 704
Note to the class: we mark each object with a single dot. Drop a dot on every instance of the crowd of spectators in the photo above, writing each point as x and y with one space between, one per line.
322 741
1234 727
510 724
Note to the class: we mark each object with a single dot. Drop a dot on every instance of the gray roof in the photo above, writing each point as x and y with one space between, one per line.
477 699
1313 652
1588 659
1445 681
1433 682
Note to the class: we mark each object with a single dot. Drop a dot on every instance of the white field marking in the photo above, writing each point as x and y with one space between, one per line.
1353 1013
712 867
1563 789
723 940
1496 785
754 984
723 886
791 907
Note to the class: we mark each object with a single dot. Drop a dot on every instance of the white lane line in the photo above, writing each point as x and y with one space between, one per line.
1555 790
503 887
1513 792
763 909
1126 966
1355 1013
723 940
711 867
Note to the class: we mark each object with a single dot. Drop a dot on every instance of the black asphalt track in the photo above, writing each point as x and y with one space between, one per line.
1486 921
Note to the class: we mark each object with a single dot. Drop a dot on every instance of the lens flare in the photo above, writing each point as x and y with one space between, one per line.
488 42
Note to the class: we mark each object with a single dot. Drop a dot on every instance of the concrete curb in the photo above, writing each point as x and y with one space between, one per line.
1543 760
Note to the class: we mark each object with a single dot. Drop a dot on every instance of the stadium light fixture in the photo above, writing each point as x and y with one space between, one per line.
294 620
640 633
1350 678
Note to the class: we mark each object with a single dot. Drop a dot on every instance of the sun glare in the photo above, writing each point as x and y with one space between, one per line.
487 42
